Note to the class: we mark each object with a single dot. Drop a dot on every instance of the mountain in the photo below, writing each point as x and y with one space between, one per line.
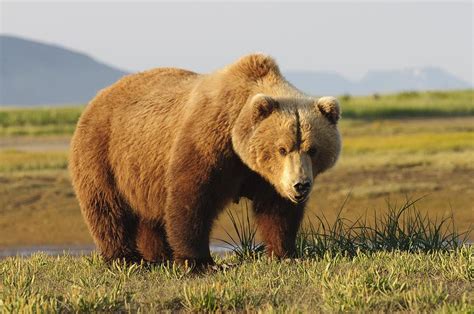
34 73
427 78
388 81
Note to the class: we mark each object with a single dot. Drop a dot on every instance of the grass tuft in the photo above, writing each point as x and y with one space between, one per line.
243 244
402 228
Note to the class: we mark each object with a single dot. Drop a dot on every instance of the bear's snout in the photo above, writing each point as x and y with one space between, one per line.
302 188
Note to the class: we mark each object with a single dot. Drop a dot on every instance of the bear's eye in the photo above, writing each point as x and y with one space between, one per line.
312 151
282 151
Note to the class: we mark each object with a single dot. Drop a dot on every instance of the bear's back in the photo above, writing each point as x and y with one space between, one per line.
148 84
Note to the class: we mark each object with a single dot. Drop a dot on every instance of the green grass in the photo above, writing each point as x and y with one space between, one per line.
404 262
38 130
39 116
384 281
39 121
244 244
409 104
61 120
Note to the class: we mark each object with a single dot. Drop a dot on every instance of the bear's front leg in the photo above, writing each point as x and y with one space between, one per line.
278 222
191 207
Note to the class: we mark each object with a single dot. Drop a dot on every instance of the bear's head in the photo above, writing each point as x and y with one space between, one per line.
288 141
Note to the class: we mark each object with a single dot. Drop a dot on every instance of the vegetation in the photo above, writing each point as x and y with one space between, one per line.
39 121
61 120
15 160
402 228
384 281
410 104
39 116
405 263
244 243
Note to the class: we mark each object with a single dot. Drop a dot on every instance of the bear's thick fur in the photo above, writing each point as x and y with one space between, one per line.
157 155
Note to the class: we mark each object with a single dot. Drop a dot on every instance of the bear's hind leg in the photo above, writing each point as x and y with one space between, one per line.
109 218
151 241
113 227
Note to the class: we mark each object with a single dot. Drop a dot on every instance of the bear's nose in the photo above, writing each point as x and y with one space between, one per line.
302 187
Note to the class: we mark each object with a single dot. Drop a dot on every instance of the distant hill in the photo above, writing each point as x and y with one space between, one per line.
34 73
390 81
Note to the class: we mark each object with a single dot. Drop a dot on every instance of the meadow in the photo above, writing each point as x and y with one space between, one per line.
405 262
355 252
384 281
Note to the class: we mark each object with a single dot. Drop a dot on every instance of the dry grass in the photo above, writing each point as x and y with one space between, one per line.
15 160
420 142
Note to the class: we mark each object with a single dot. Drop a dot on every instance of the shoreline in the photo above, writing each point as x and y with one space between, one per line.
76 250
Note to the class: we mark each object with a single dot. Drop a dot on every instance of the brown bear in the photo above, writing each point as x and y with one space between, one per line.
156 156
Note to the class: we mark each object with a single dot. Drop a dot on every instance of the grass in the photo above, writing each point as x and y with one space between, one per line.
243 243
421 142
39 121
39 116
409 104
61 120
14 160
402 228
38 130
394 281
406 262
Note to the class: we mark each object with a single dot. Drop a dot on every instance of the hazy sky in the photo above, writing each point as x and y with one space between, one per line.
345 37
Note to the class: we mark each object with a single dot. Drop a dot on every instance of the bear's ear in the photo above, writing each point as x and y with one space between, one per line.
329 107
262 106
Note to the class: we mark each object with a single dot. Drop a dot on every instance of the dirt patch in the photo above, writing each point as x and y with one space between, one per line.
35 144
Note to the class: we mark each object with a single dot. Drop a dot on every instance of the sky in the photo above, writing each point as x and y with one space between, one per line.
349 38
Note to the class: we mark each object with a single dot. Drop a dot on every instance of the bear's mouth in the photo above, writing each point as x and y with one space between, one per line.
299 198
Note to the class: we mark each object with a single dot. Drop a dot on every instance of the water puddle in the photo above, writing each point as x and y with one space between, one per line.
76 250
